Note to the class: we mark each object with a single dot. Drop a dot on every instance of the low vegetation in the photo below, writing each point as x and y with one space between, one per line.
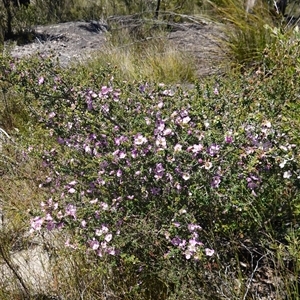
148 189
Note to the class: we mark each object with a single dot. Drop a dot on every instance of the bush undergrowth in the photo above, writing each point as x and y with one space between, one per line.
158 182
158 192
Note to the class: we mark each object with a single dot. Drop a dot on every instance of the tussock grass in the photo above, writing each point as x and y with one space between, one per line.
150 59
246 33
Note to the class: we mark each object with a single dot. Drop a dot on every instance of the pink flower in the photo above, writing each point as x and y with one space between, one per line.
159 171
167 131
71 211
68 244
48 217
71 190
36 223
186 120
139 139
197 148
111 251
216 181
134 153
72 182
94 244
41 80
193 227
209 252
51 115
101 231
122 154
105 90
50 225
228 139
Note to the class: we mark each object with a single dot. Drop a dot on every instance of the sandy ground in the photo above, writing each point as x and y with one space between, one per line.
78 40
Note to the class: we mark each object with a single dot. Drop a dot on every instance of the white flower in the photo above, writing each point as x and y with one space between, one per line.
267 124
139 139
282 164
207 165
88 149
178 148
161 141
108 237
287 174
160 105
147 120
187 254
283 148
182 211
98 232
186 176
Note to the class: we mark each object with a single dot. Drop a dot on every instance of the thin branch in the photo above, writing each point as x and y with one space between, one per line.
253 272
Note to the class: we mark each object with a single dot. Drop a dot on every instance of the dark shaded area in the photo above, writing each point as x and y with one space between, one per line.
291 20
21 2
24 38
46 37
8 6
281 6
95 27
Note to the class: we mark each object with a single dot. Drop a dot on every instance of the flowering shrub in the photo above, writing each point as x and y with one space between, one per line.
150 174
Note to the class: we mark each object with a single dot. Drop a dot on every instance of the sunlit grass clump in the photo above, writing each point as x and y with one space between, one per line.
152 58
246 33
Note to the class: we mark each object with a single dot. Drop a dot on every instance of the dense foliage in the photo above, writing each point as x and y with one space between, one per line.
159 180
166 192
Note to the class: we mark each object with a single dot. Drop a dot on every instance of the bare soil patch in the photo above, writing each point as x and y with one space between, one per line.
75 41
204 43
68 41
